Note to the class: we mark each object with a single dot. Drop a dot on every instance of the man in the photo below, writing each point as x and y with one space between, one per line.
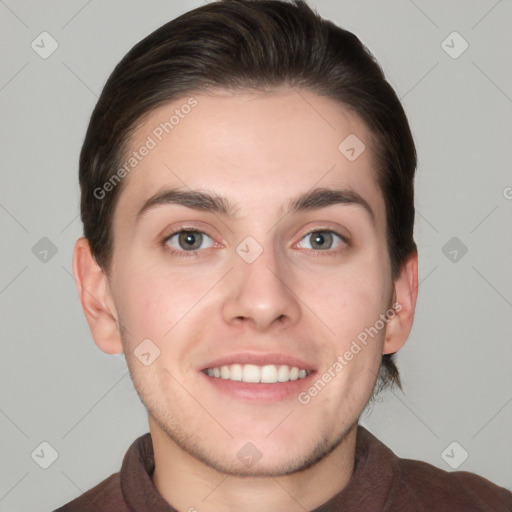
248 209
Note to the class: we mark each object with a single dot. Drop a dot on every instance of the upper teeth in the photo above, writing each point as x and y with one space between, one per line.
267 374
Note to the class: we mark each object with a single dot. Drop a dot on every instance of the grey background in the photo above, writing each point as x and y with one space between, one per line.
56 386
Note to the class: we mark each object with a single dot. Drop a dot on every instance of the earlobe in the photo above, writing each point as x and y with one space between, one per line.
404 304
96 299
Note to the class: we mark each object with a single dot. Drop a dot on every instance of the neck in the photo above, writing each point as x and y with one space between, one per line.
190 485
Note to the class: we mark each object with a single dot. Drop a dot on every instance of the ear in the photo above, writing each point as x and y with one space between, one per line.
96 299
404 303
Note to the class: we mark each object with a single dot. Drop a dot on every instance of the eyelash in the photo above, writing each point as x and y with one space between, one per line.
188 254
183 254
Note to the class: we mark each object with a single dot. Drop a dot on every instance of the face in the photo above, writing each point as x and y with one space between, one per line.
214 296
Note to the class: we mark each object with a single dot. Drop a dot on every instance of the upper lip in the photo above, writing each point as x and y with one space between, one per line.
259 359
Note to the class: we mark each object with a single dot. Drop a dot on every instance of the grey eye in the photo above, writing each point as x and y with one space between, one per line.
322 240
187 240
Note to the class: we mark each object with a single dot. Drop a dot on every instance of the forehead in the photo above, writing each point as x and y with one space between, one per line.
260 150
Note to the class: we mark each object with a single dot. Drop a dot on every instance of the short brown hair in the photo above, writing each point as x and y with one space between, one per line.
250 45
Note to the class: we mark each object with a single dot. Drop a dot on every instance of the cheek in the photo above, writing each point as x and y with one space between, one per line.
147 304
157 303
349 298
353 304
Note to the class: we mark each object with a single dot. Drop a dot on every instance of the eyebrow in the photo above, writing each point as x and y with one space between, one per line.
212 202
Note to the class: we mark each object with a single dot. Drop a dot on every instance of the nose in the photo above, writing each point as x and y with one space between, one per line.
261 294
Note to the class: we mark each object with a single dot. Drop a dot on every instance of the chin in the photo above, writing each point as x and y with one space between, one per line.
262 457
253 463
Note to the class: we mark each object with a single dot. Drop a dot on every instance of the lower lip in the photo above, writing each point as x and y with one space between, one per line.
258 392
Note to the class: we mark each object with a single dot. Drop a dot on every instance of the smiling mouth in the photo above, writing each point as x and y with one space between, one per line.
251 373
